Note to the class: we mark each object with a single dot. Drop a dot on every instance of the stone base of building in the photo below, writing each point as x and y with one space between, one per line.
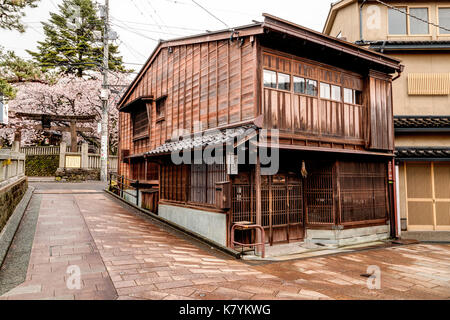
76 175
346 237
211 225
11 192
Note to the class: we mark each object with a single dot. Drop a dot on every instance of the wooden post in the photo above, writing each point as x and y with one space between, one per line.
258 198
62 155
73 136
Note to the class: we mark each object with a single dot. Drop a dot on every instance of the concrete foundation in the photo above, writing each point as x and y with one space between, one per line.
347 237
211 225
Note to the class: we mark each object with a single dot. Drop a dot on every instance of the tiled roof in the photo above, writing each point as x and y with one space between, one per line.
212 138
422 153
405 45
422 122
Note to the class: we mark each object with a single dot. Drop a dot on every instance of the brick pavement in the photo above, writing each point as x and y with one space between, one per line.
126 256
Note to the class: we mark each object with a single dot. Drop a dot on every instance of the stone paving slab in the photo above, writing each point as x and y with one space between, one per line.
122 253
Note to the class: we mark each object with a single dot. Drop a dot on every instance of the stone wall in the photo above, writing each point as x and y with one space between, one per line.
211 225
41 165
77 175
10 196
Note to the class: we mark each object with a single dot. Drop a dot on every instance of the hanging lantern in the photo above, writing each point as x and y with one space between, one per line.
303 170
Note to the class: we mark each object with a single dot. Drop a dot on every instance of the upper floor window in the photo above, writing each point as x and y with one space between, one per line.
397 20
270 79
311 87
328 91
299 85
352 96
160 108
336 93
399 24
140 122
417 26
284 81
325 90
444 20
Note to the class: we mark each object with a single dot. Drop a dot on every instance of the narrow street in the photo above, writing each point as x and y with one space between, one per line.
122 254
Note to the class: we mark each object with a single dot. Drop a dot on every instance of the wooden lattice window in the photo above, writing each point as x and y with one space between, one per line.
363 191
203 182
319 193
140 122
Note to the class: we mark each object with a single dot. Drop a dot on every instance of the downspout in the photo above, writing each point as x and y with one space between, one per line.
361 40
397 201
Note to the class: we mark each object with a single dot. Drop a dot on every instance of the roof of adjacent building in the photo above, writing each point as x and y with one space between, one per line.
409 45
277 25
422 153
421 123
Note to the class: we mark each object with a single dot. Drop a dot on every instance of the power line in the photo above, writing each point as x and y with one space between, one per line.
135 32
154 24
149 14
156 13
152 31
212 15
412 16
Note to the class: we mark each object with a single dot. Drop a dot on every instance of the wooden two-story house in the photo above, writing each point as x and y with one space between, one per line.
320 107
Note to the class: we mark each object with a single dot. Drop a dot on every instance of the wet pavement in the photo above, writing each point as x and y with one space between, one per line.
85 237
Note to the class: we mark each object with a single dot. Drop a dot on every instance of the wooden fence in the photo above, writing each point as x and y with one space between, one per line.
40 151
93 159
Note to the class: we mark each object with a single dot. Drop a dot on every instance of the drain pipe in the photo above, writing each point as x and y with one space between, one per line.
361 40
397 197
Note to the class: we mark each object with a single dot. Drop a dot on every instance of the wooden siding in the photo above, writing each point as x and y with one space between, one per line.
381 121
296 113
209 83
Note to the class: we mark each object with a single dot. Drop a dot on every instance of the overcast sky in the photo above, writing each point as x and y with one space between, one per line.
137 22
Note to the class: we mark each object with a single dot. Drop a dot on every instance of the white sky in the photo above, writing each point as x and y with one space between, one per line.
136 21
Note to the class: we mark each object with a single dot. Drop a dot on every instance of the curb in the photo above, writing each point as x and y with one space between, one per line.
190 233
9 230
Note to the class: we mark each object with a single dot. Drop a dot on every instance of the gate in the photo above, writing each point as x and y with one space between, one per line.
281 206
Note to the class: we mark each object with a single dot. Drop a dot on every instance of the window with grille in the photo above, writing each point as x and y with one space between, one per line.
140 122
363 191
203 182
161 108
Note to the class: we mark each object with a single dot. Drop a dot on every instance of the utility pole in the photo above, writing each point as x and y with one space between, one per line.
105 96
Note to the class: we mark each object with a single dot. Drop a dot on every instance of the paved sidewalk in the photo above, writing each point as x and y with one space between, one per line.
126 256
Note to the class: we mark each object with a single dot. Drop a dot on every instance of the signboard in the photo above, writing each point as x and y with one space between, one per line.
3 110
73 162
232 164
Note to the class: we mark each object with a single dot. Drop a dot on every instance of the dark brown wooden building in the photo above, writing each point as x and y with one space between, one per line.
329 100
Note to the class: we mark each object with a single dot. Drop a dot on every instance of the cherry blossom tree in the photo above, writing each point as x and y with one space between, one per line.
69 95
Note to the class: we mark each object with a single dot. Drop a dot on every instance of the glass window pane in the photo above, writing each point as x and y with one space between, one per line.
348 96
311 87
417 26
299 85
270 79
397 21
325 90
284 81
336 93
444 20
358 97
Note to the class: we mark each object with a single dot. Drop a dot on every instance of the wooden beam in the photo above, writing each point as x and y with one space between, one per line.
63 129
258 219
